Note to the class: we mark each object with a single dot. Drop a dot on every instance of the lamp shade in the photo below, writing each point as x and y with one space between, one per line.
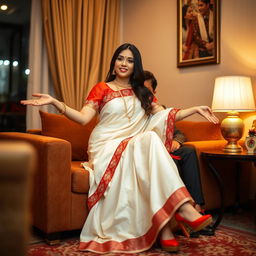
233 93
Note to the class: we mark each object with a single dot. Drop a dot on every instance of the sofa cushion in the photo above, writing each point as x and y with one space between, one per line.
198 131
59 126
79 178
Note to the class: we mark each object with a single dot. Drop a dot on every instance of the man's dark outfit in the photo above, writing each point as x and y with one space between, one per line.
188 167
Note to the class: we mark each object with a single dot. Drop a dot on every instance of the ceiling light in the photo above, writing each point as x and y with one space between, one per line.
3 7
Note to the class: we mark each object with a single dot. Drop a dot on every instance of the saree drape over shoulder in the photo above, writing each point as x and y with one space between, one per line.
135 187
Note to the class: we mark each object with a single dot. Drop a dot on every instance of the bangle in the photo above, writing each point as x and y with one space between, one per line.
63 111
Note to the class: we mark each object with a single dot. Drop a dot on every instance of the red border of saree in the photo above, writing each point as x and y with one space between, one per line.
144 242
107 176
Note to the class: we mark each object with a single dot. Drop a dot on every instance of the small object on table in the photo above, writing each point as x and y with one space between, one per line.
250 141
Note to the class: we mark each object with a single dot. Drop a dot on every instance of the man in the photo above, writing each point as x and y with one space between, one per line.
203 29
187 165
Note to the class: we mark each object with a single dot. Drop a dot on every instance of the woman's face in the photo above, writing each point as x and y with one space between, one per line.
203 7
124 64
189 13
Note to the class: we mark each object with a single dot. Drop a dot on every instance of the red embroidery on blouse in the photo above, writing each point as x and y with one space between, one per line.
115 94
107 176
101 94
170 128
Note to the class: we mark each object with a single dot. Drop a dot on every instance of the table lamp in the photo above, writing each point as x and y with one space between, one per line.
232 94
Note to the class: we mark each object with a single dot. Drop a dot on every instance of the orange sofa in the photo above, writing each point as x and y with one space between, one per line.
61 184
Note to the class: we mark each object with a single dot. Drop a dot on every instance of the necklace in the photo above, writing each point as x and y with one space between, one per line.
118 84
125 104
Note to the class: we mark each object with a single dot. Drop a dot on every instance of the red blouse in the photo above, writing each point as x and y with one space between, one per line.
101 93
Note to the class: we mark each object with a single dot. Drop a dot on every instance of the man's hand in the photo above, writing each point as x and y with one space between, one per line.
209 46
175 145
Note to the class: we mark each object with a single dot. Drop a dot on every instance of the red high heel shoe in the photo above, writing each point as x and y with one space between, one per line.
171 245
195 225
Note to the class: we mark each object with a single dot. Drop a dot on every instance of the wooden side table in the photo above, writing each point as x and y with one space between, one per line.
210 156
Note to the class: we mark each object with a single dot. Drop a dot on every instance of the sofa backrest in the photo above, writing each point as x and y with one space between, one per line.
198 131
61 127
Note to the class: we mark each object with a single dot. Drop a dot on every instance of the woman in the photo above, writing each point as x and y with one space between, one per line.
135 188
189 48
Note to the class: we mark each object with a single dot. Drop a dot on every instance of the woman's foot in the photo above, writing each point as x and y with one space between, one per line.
189 219
195 225
166 232
188 212
167 239
198 207
207 231
171 245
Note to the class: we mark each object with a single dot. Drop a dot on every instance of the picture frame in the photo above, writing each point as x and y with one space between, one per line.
198 32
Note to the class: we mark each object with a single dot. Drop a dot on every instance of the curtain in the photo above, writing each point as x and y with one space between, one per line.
39 78
81 36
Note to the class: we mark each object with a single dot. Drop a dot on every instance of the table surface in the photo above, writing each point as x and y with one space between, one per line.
221 154
212 155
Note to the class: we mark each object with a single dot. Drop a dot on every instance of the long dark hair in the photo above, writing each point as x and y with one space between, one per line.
137 77
184 12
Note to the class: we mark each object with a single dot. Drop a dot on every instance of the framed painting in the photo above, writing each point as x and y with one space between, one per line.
198 32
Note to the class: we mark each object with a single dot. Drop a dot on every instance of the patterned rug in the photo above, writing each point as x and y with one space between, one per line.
227 241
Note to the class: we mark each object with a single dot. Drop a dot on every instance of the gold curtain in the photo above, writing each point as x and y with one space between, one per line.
81 36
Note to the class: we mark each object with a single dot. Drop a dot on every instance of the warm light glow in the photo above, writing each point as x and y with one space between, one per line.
233 93
3 7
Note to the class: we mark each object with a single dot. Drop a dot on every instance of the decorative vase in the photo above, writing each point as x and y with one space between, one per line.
250 143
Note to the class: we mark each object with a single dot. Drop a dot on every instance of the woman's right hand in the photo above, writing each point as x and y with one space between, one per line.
82 117
41 99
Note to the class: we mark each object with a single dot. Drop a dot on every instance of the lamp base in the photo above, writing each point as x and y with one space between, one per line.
232 130
232 147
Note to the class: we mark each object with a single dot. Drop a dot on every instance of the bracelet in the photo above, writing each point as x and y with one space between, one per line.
63 111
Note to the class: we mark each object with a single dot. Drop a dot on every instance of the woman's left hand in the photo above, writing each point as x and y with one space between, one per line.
207 113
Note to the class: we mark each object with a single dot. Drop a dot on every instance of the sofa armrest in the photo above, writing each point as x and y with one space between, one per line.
51 197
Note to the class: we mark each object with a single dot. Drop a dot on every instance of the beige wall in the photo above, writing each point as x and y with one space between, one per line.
152 26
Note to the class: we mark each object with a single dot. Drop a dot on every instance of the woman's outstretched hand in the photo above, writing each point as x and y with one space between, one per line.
41 99
207 113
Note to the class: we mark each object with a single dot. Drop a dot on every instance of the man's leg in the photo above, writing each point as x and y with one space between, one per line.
190 174
189 171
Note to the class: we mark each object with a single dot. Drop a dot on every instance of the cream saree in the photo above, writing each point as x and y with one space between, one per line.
135 187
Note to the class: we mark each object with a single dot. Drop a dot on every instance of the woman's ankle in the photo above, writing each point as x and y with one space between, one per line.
189 212
166 233
198 207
